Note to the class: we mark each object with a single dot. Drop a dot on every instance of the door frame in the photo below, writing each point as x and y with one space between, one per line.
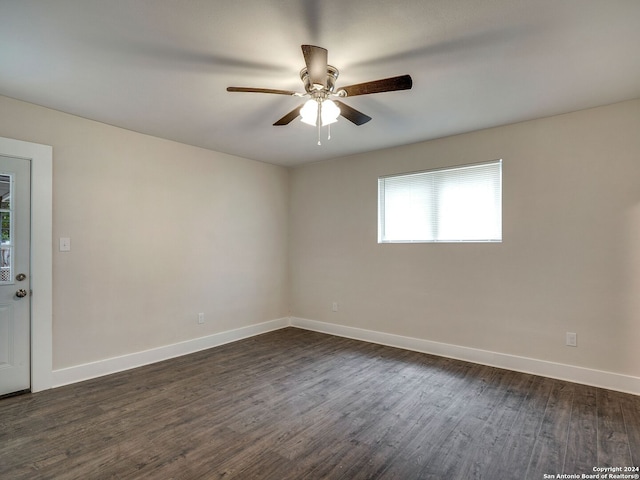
41 159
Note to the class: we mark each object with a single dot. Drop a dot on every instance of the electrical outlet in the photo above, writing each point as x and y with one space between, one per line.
334 307
201 318
572 339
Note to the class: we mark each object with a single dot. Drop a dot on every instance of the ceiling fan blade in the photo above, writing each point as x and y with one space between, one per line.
403 82
352 114
261 90
316 60
288 118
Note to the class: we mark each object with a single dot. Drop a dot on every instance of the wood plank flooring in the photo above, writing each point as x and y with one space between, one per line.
293 404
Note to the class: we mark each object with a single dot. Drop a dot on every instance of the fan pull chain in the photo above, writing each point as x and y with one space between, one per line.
319 121
329 132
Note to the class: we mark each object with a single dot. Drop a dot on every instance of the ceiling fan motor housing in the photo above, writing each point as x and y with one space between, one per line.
332 76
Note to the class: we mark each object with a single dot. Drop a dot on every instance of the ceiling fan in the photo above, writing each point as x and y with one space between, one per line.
319 79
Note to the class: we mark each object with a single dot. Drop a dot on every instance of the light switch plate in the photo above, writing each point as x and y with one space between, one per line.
65 244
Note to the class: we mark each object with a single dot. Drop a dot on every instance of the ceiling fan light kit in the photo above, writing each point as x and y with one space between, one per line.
319 79
325 110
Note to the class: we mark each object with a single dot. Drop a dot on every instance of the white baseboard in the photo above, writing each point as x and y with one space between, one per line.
108 366
596 378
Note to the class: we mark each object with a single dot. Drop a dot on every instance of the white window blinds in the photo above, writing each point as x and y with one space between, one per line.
460 204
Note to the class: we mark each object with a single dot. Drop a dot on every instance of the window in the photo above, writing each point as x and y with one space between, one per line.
459 204
6 229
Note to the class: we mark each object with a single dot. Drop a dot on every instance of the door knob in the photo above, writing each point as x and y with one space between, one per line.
21 293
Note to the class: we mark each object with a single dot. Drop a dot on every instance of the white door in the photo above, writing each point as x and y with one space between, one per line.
15 317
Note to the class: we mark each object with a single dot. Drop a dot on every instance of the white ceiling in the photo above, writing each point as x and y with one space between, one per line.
161 67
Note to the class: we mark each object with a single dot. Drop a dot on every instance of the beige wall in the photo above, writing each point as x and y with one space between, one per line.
570 259
160 231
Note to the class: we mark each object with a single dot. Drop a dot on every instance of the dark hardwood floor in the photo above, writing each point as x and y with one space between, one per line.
294 404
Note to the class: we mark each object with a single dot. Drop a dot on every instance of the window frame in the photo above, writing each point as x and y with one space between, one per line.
437 200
